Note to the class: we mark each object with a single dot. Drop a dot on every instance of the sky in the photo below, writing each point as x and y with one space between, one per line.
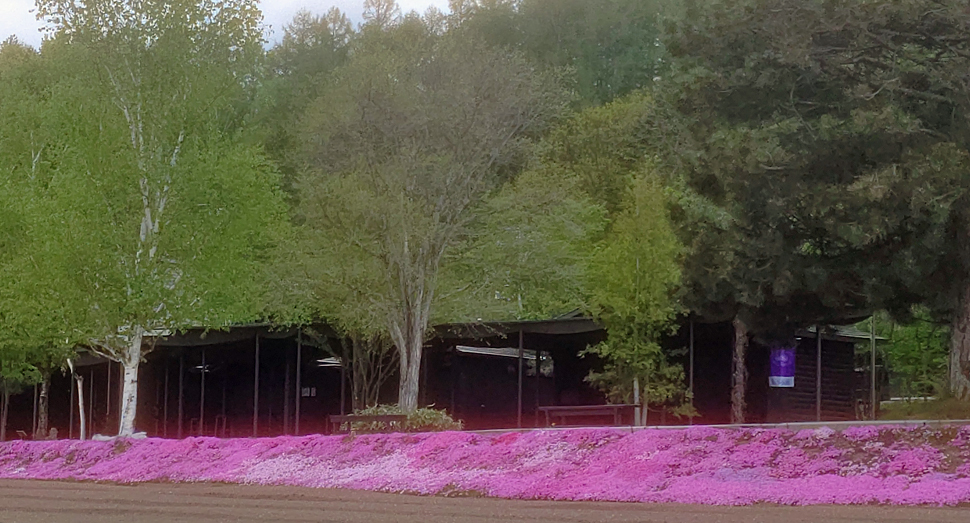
17 17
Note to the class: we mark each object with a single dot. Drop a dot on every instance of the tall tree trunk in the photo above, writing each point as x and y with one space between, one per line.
43 405
740 375
960 349
129 392
410 346
4 409
358 364
80 405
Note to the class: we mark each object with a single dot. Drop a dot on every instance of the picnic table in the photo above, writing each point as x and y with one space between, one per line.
562 412
337 421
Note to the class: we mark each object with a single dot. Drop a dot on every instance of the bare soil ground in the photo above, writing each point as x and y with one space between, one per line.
37 501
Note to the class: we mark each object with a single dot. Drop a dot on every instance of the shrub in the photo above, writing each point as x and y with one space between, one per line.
421 420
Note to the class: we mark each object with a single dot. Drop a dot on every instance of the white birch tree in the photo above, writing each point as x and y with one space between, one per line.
168 212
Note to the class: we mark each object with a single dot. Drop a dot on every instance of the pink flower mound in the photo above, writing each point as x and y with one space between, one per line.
695 465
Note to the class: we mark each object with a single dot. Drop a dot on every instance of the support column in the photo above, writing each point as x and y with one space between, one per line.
873 400
286 397
536 379
33 432
202 397
180 433
256 390
818 373
91 403
343 378
521 358
299 383
165 403
107 397
70 430
690 419
225 422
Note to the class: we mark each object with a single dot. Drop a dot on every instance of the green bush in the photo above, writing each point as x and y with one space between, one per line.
939 409
421 420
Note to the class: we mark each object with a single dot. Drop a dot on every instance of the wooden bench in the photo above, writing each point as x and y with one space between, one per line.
562 412
337 421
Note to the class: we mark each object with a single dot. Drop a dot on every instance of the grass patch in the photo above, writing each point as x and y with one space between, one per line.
942 409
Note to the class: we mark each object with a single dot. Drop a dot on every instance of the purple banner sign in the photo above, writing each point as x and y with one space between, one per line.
782 367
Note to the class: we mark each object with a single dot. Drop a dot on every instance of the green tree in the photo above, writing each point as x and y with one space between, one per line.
633 279
311 48
825 174
527 253
916 353
611 47
413 133
169 216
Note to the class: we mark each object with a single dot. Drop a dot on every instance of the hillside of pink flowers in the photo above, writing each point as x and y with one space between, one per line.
696 465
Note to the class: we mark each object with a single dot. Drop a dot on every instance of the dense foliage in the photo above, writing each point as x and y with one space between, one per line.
773 163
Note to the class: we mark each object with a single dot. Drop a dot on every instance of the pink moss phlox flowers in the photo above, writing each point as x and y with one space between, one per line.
705 465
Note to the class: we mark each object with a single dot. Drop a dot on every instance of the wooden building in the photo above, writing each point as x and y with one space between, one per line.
259 380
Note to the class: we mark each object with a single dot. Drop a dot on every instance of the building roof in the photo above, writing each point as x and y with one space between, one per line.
844 333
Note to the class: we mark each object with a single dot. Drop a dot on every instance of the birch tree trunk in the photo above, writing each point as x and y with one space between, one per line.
960 349
636 401
43 406
130 360
740 376
80 405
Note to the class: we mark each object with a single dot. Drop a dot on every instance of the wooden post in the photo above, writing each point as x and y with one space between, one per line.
536 380
70 423
107 398
286 396
818 373
33 432
181 394
202 397
225 422
521 357
873 400
91 403
690 419
299 384
165 403
256 390
343 379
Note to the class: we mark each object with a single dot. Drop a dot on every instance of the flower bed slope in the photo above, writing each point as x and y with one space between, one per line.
696 465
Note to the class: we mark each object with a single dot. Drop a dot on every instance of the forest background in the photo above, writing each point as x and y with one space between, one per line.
772 163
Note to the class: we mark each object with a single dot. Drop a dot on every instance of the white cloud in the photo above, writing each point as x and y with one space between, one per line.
16 16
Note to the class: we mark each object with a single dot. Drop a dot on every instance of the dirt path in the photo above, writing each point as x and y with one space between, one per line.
35 501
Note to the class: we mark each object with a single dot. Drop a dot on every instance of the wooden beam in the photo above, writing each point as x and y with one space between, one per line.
873 400
202 396
165 402
690 419
299 383
818 373
286 395
181 395
521 360
256 390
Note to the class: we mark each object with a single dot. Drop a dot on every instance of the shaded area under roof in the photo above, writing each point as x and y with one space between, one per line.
564 326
